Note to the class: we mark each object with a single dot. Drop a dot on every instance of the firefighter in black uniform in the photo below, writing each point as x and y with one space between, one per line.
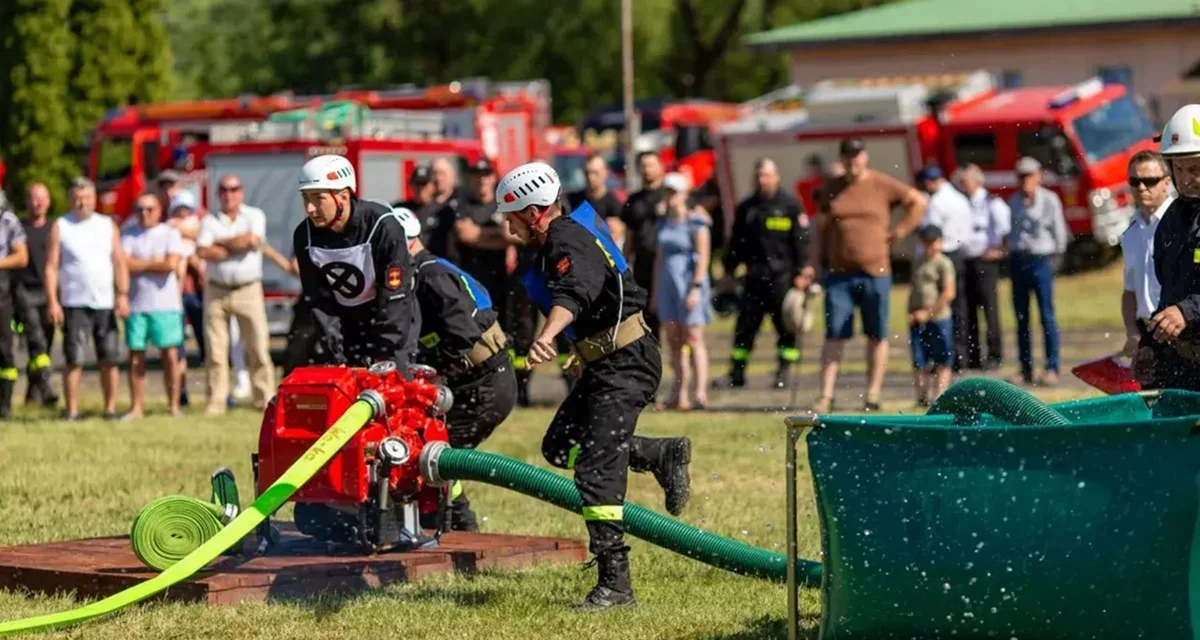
32 320
462 340
583 285
770 236
1168 356
356 275
13 258
437 220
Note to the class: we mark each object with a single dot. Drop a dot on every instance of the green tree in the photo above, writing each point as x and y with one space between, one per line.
35 69
153 81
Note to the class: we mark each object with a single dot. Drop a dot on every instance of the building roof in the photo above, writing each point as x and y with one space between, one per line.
909 19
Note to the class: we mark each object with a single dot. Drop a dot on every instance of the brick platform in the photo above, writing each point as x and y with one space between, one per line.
299 567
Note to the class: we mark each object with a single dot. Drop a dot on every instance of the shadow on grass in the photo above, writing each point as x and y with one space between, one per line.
773 627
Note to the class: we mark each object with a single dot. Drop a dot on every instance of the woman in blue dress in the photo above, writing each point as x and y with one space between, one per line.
681 290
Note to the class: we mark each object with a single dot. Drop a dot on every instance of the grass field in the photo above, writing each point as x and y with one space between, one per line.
70 480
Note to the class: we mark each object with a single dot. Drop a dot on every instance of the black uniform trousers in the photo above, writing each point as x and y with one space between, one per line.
592 433
303 345
762 297
483 398
643 275
980 278
958 309
8 360
36 327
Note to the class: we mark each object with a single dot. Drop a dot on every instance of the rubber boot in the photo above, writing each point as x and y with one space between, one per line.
33 392
461 516
523 388
41 380
614 587
667 459
737 375
6 398
783 375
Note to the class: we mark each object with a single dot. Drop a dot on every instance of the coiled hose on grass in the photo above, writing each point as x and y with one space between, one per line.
547 486
169 528
970 398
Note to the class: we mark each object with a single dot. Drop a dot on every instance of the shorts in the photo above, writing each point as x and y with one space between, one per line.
100 325
843 292
932 343
161 329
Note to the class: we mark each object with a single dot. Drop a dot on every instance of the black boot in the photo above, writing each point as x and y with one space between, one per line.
783 375
461 516
614 587
6 397
667 459
41 380
523 388
33 392
737 375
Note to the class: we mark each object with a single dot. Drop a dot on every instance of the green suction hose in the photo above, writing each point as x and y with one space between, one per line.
969 399
443 463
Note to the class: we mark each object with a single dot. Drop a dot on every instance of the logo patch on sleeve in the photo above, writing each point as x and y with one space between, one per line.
394 278
563 266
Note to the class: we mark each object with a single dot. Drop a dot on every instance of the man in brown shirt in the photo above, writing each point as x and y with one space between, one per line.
854 238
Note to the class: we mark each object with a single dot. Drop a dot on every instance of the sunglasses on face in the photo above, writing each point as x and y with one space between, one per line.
230 189
145 209
1146 182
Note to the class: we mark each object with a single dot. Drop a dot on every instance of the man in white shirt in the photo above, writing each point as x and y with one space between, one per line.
230 243
1151 184
983 250
950 211
83 267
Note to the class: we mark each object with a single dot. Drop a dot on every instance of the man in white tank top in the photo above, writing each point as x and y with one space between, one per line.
87 288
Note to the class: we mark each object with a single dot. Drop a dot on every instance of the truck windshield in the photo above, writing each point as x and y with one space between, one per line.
1112 128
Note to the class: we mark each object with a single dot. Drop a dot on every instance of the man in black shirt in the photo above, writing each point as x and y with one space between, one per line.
770 237
462 340
479 233
584 287
437 220
640 216
30 300
597 194
356 275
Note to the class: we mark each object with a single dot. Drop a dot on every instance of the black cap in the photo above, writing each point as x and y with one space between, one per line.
482 166
420 175
929 233
929 173
852 146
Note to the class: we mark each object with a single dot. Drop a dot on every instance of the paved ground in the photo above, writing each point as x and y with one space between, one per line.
1077 346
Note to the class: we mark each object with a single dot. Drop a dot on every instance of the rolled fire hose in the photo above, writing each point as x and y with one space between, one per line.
171 527
441 464
358 415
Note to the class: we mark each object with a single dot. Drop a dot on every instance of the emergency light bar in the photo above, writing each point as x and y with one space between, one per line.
1081 91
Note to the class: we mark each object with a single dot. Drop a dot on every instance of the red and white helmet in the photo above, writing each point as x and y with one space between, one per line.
329 173
535 183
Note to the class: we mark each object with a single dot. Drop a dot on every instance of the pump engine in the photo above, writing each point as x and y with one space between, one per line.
371 493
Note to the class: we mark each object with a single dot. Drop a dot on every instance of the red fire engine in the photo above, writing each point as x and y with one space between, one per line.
131 146
1084 135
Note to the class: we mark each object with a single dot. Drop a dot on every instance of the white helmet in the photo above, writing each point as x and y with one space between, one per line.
533 183
1181 136
408 220
328 172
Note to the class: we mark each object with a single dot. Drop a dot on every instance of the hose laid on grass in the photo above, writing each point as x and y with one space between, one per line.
970 398
657 529
169 528
359 414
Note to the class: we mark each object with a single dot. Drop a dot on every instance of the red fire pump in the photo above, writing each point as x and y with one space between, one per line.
371 493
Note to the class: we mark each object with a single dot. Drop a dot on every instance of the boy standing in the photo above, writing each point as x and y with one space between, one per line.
931 329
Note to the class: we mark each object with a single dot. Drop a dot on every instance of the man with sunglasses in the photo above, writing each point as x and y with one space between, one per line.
1152 195
230 243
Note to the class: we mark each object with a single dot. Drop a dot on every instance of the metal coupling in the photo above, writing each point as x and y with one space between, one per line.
375 399
428 463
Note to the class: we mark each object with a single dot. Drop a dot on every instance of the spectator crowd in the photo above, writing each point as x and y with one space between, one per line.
172 265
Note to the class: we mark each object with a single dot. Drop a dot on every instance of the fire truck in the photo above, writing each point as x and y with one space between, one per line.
1083 134
681 132
130 146
384 148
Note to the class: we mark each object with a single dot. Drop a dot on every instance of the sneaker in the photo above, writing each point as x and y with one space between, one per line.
242 390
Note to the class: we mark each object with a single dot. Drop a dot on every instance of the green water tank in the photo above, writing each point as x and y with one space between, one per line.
1084 530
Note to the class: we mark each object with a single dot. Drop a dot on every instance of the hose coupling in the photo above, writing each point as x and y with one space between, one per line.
428 463
375 399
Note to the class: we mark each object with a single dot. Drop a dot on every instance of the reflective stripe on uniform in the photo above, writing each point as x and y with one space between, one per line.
604 513
430 340
740 354
778 223
16 327
571 455
39 362
789 354
9 374
456 490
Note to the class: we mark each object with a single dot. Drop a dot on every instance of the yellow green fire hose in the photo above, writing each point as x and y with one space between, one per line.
358 415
